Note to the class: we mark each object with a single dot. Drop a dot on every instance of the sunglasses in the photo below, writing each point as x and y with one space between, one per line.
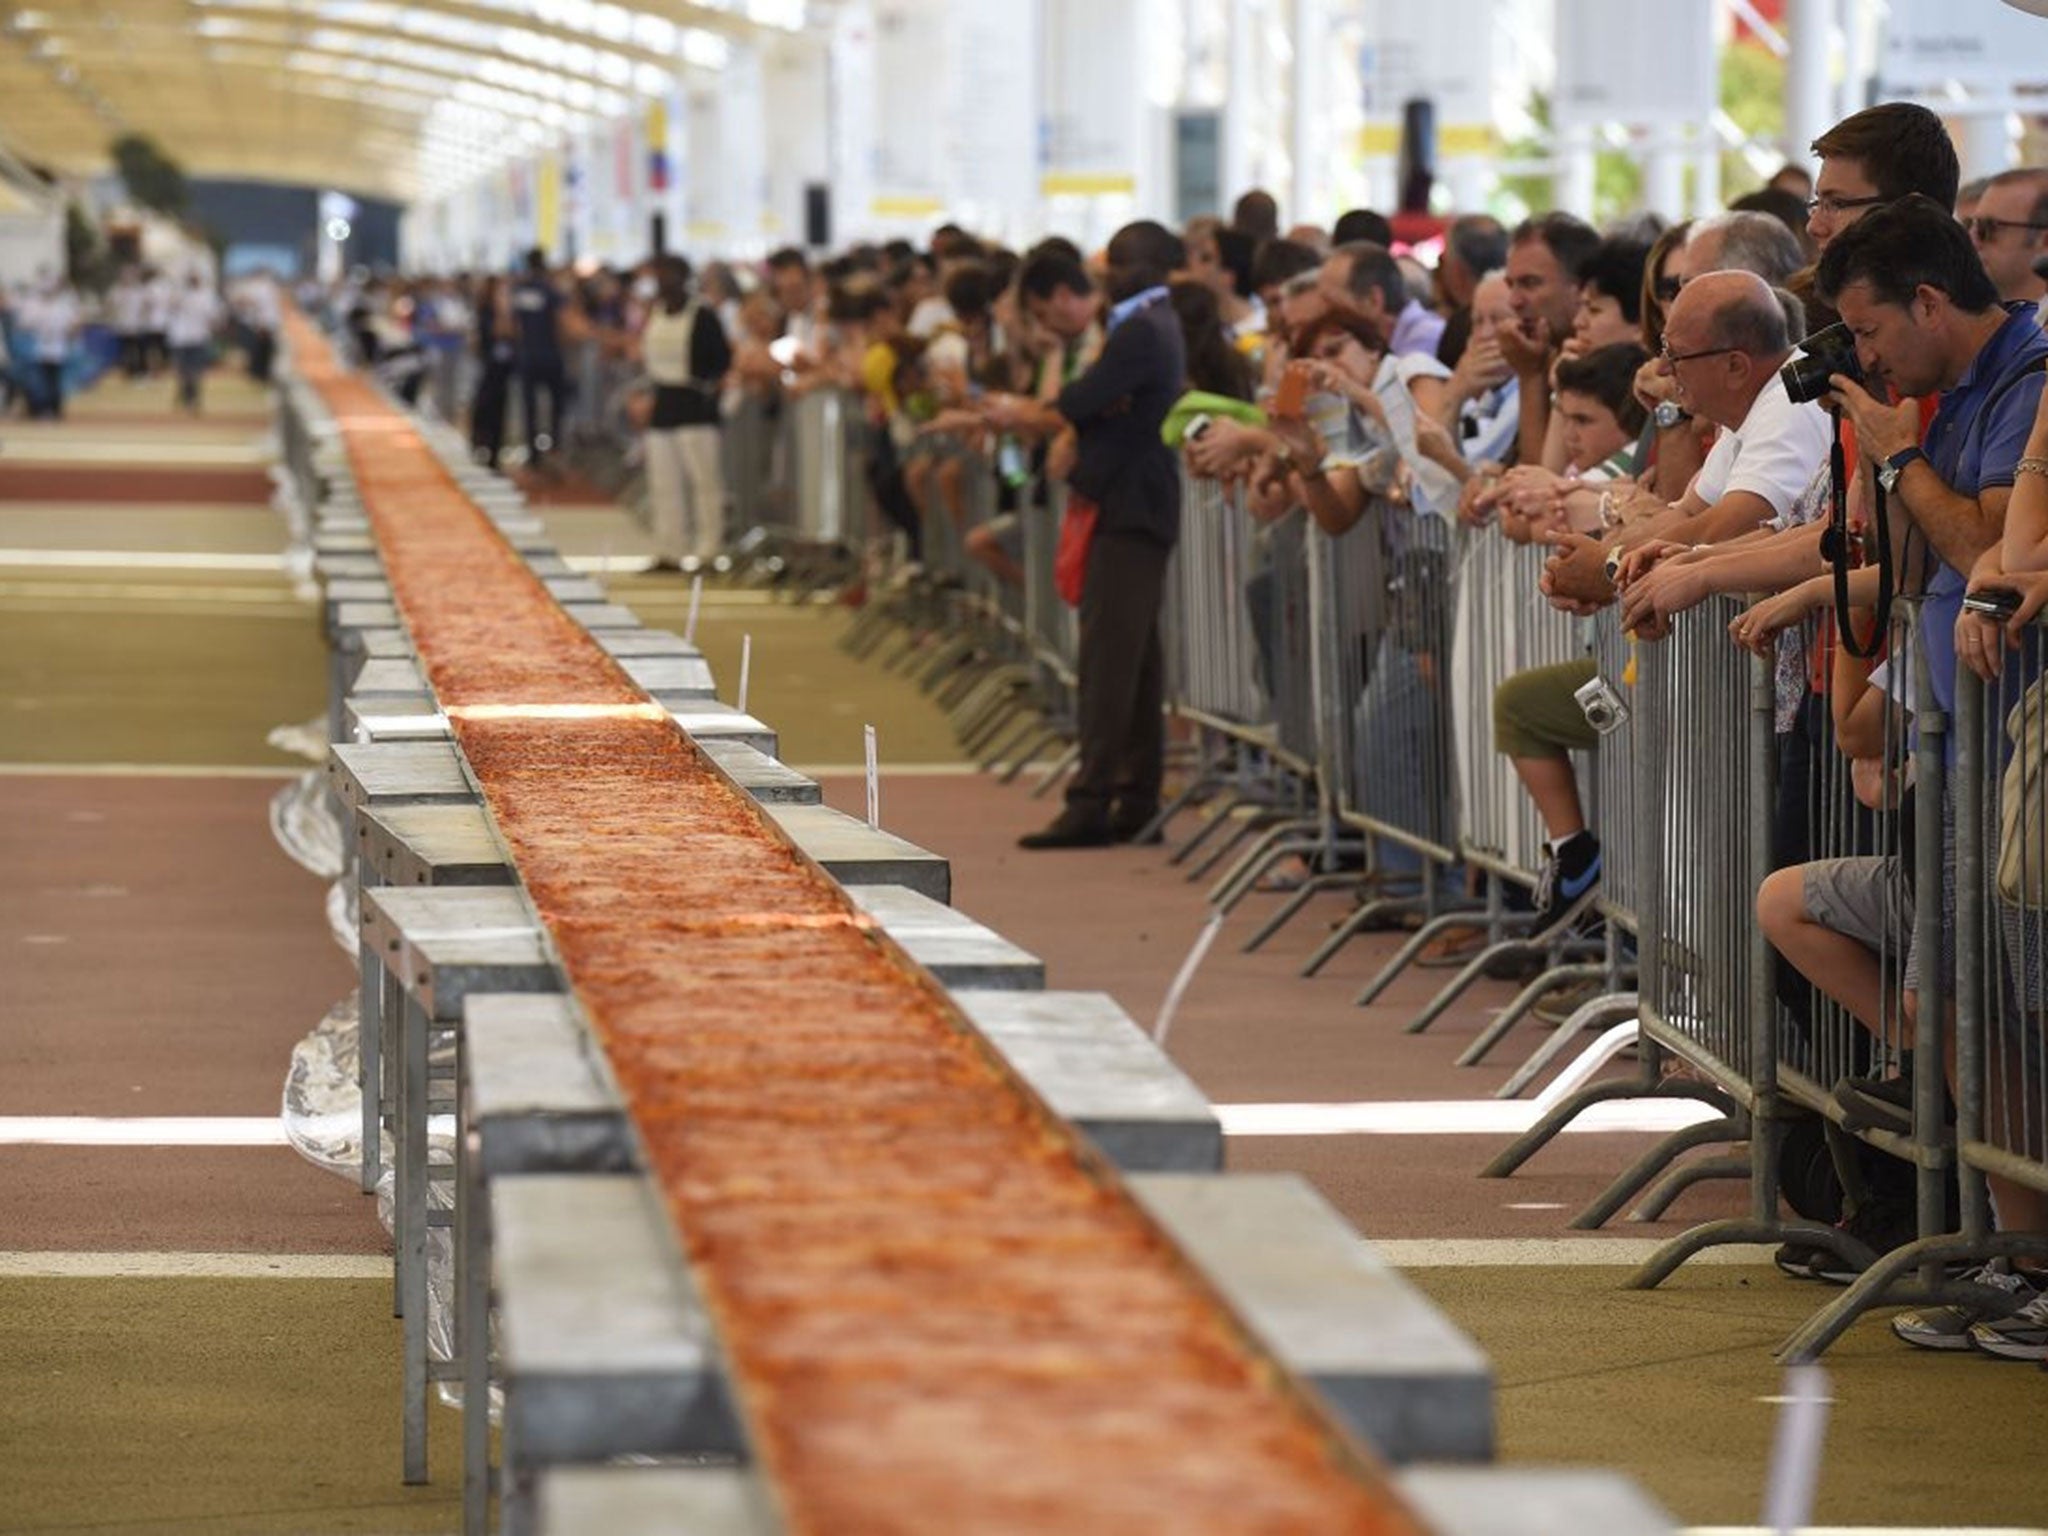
1666 288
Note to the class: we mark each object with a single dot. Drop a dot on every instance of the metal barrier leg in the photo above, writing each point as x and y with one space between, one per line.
1232 800
1877 1286
411 1221
1068 761
1298 898
1197 788
1731 1127
1645 1086
1256 860
1043 737
1435 928
1020 724
1504 1022
1679 1180
1254 825
1362 918
1596 1013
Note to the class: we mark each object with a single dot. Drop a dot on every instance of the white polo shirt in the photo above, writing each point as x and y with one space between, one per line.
1773 454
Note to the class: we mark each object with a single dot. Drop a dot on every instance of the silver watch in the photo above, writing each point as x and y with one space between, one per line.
1670 413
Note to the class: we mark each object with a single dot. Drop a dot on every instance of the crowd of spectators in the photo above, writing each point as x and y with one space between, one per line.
1616 396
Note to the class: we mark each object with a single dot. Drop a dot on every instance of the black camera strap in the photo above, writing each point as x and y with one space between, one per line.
1841 551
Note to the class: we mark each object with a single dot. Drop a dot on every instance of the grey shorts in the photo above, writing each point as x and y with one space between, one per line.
1865 899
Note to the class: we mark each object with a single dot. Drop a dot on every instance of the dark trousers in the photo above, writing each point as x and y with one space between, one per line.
191 366
487 413
1121 678
537 380
51 401
885 479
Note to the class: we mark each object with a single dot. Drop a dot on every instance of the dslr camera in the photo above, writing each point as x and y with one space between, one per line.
1604 707
1820 357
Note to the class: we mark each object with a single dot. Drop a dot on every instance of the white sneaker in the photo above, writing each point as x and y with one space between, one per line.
1950 1327
2021 1336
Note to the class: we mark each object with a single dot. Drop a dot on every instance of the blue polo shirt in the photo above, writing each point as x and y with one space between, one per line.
1975 456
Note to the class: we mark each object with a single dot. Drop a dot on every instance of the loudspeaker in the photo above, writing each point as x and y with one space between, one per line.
817 215
1417 173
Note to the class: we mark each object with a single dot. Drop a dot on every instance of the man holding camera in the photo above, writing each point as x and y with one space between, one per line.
1927 320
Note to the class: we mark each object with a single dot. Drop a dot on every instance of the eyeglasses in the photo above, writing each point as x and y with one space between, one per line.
1672 359
1835 207
1987 229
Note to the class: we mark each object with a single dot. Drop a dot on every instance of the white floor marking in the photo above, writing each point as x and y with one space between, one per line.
1453 1117
141 771
894 770
142 1131
194 1266
138 559
1544 1252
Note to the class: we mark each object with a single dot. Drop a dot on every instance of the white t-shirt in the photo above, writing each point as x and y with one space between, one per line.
665 345
49 320
1773 454
157 294
930 316
193 314
125 304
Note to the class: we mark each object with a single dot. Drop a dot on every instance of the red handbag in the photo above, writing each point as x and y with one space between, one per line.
1070 559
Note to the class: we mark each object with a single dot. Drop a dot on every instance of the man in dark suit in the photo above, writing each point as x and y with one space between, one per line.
1114 411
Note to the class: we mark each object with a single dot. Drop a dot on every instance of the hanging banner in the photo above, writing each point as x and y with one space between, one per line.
1440 53
547 232
994 78
1621 61
1928 43
911 77
1094 109
622 160
657 146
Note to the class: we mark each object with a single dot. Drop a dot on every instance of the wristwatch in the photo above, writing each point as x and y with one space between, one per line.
1670 413
1889 471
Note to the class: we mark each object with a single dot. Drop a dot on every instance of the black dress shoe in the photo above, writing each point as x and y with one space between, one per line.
1070 831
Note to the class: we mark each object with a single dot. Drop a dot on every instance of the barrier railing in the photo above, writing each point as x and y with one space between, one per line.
1980 842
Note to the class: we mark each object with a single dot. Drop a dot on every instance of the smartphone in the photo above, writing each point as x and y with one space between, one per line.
1199 423
1999 603
1291 396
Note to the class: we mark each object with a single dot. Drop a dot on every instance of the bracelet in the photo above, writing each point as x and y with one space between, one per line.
2032 467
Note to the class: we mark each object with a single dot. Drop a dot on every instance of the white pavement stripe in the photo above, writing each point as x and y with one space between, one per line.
146 771
147 592
889 771
142 1131
1544 1252
194 1266
1453 1117
138 559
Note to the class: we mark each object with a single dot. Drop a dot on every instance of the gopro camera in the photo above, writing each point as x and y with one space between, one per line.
1604 708
1820 357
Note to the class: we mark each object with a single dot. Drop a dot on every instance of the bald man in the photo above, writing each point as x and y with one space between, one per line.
1724 341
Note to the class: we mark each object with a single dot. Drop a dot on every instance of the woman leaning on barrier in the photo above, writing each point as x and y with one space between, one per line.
684 349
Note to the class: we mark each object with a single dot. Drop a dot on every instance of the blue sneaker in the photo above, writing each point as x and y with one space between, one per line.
1570 870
